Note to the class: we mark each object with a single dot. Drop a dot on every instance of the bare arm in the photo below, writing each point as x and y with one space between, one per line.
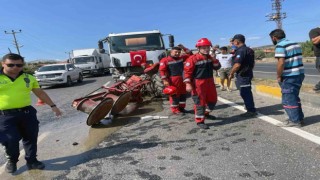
316 40
234 69
41 94
280 68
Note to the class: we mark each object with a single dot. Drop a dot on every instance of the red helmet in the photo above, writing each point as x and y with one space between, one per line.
170 90
203 42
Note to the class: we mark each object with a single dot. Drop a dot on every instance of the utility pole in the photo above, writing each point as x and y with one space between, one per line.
69 53
278 15
15 40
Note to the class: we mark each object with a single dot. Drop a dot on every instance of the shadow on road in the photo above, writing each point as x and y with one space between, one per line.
276 109
311 120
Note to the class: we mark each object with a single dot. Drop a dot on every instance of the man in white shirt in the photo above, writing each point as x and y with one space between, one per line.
226 63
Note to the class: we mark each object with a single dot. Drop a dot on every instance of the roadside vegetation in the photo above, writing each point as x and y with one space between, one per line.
267 51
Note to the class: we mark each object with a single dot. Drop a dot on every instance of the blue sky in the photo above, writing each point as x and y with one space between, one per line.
50 28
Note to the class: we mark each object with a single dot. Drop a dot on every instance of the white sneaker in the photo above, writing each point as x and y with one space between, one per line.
222 88
229 90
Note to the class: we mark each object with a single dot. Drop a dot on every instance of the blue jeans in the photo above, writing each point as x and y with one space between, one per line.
290 89
244 84
16 126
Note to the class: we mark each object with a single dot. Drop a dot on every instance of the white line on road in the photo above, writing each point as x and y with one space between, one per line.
40 138
106 84
275 73
296 131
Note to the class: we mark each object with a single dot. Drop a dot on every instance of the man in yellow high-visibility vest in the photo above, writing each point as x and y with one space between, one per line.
18 118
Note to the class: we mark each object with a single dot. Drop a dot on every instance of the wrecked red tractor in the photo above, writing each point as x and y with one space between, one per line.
122 98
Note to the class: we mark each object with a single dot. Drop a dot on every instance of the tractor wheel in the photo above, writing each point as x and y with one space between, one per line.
157 85
69 82
80 79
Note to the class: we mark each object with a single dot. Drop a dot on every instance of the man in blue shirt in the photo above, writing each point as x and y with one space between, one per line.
290 75
243 63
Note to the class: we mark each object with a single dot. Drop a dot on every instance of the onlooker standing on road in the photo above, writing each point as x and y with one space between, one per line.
225 60
314 35
232 47
215 51
290 75
198 76
18 118
243 64
171 72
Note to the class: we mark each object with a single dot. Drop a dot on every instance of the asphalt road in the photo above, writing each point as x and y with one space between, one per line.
172 148
268 71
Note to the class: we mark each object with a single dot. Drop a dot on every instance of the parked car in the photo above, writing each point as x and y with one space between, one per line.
54 74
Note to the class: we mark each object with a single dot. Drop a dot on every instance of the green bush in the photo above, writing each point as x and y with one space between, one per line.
307 49
259 54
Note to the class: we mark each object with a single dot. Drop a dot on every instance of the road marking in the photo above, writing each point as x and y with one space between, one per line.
22 153
106 84
275 73
296 131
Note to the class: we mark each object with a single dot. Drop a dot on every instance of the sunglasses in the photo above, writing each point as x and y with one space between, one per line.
12 65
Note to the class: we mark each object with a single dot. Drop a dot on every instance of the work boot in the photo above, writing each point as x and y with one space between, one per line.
249 114
316 90
11 167
203 125
177 111
35 165
289 123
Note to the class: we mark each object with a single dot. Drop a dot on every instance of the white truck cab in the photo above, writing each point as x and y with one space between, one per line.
91 62
130 52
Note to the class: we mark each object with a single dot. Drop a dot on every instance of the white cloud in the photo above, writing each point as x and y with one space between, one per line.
222 39
254 38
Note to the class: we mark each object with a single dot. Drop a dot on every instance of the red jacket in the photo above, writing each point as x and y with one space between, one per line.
198 66
170 66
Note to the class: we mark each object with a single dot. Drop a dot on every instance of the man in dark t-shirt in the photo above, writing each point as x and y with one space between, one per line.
243 63
314 35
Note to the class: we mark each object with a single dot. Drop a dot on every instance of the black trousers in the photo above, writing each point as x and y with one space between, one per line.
16 126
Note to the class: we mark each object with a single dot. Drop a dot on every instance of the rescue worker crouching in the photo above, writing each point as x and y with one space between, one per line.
171 72
198 77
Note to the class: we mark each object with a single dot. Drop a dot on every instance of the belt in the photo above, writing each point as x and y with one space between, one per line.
11 111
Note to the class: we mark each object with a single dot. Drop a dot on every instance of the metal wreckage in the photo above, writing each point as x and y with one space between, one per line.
121 98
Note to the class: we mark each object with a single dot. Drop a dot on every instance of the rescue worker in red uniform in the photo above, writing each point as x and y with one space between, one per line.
198 76
171 72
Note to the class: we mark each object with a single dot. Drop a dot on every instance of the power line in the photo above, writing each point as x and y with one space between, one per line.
278 15
15 39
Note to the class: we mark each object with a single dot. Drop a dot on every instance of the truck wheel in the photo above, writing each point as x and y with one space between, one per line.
157 85
69 81
80 78
107 71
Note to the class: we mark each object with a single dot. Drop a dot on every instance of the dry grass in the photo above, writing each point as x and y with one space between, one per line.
273 83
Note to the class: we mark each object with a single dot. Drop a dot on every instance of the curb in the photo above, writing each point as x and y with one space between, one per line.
307 99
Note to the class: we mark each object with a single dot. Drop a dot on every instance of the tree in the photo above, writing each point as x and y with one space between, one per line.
307 49
259 54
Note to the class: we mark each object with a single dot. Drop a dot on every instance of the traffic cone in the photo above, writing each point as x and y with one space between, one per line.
40 102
